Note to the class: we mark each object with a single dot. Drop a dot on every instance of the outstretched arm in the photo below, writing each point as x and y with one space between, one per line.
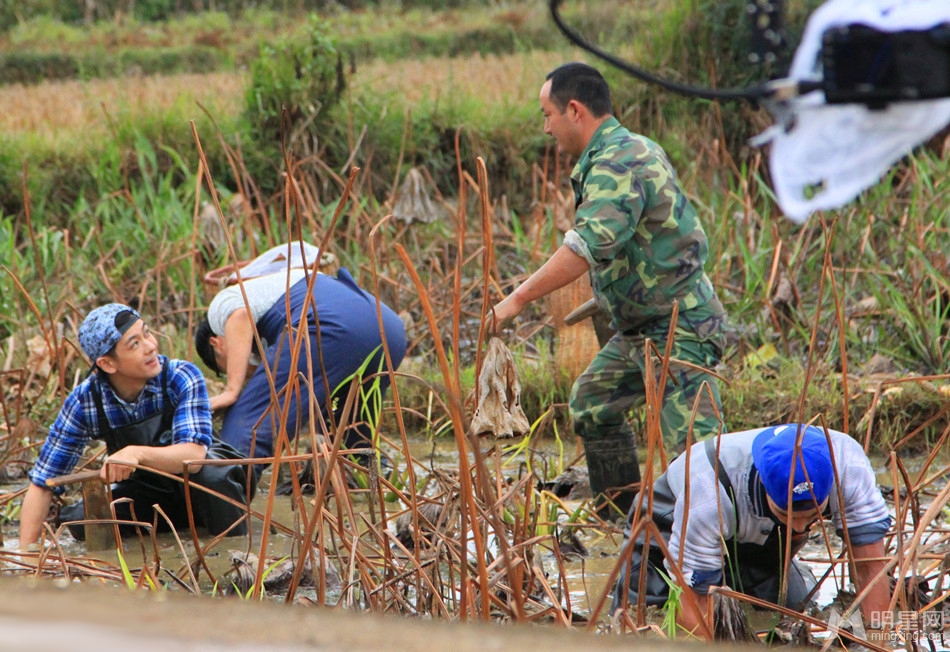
162 458
689 618
238 338
869 561
33 514
169 459
560 269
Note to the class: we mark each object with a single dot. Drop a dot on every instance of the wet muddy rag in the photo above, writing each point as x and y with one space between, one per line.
498 409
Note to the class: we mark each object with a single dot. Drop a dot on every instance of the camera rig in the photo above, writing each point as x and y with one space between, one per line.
865 65
859 64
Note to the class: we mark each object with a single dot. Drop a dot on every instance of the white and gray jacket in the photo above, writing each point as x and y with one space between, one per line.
703 529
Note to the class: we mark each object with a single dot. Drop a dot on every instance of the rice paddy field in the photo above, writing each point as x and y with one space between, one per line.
117 187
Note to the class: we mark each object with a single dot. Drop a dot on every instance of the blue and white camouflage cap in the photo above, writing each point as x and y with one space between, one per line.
104 327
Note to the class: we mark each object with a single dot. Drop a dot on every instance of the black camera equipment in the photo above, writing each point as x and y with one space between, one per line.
767 19
864 65
860 64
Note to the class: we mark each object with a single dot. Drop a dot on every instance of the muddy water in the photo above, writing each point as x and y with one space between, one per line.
586 577
173 555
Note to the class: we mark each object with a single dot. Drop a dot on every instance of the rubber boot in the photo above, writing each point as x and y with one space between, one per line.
612 464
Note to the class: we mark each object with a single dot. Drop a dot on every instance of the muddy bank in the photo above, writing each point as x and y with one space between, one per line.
45 615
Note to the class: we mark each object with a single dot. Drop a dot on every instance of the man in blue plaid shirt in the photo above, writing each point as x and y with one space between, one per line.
153 413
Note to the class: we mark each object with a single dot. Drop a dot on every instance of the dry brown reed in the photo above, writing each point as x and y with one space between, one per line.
487 563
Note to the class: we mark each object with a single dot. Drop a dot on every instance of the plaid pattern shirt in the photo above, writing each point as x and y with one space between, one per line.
77 422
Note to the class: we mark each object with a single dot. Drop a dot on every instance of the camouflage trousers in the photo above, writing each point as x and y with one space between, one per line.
613 385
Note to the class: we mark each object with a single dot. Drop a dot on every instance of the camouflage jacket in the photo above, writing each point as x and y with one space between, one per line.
641 236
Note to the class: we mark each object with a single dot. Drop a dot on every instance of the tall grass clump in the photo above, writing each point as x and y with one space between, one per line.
60 135
824 311
900 233
394 117
294 84
891 289
128 236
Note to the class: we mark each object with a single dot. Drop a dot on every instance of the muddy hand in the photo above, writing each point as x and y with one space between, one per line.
494 325
120 465
502 314
491 325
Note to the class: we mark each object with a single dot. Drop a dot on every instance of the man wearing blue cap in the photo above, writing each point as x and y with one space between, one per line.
728 518
151 412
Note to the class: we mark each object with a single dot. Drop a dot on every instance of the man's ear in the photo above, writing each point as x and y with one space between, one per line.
107 364
215 343
575 110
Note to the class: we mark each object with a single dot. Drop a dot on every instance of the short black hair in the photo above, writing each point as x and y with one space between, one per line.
578 81
123 321
203 345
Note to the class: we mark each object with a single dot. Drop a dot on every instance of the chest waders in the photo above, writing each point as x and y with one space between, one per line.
751 568
145 488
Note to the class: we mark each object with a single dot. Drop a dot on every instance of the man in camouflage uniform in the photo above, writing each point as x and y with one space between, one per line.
641 242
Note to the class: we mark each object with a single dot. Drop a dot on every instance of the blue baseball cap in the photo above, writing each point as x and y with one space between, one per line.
773 451
104 327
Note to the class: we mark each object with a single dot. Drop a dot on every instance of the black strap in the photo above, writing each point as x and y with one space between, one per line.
106 431
714 461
